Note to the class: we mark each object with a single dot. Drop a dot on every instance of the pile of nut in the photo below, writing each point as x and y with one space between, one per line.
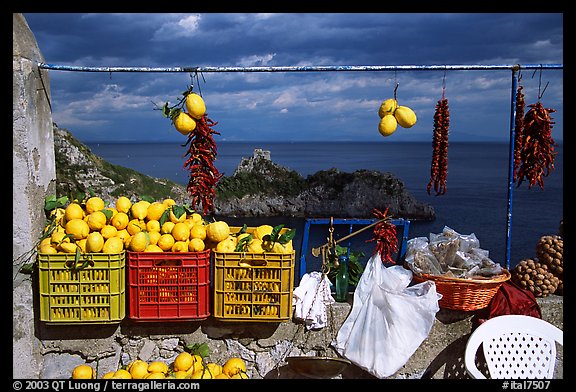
543 275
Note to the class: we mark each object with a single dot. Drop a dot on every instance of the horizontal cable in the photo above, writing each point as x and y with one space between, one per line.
317 68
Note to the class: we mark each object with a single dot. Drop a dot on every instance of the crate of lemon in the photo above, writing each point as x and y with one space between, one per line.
253 272
81 271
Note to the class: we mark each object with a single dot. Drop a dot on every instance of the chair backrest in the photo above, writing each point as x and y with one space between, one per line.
514 346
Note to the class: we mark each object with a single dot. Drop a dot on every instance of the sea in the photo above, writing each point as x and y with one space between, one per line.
507 220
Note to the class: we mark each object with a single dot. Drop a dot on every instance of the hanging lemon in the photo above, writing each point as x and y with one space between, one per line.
184 123
387 107
387 125
195 106
405 116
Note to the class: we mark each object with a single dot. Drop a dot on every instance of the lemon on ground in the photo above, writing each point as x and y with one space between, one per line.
167 227
108 231
195 106
154 237
405 116
73 211
234 366
222 376
96 220
202 374
123 204
155 211
196 245
153 248
213 368
217 231
262 231
387 125
180 246
387 107
135 226
153 225
156 375
183 361
184 123
165 242
78 228
138 369
83 371
158 367
197 365
93 204
180 231
198 231
180 374
108 375
113 245
94 242
241 375
120 220
139 242
122 374
139 210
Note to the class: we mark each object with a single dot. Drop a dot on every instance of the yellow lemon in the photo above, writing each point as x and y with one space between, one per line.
153 225
184 123
189 222
180 231
234 366
387 125
68 247
57 215
113 210
154 237
113 245
45 241
241 375
158 367
202 374
73 211
168 202
180 246
82 245
84 372
156 375
138 369
195 106
153 248
108 375
198 231
139 210
122 374
221 375
108 231
123 204
47 249
197 218
197 365
96 220
183 361
196 245
405 116
387 107
139 242
165 242
155 211
94 242
58 237
227 245
94 204
255 246
180 374
123 234
167 227
213 368
177 219
262 231
135 226
120 220
78 228
217 231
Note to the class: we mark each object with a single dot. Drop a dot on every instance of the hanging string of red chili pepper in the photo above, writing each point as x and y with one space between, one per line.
439 165
518 128
537 153
384 236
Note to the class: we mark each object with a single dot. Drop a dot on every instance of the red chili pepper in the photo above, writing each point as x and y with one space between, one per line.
385 237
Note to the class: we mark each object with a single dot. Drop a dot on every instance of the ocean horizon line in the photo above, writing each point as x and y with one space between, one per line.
304 142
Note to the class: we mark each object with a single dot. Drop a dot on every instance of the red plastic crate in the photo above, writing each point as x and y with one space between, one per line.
168 286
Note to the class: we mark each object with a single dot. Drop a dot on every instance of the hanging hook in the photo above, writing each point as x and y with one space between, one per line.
396 89
444 81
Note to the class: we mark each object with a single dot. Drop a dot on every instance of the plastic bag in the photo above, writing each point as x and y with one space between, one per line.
388 320
310 299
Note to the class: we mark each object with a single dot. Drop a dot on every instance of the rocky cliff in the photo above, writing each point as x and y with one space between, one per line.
258 187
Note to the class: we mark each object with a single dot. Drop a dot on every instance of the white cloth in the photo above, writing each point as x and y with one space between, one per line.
310 299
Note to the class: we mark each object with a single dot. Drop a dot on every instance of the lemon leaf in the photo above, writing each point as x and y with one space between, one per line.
147 198
201 349
178 210
108 213
165 216
287 237
243 243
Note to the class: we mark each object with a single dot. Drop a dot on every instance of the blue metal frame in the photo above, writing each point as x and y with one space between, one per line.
400 222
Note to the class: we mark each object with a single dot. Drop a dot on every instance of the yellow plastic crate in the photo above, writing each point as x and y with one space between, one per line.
87 292
261 292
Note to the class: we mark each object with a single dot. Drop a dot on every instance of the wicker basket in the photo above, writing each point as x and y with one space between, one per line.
465 294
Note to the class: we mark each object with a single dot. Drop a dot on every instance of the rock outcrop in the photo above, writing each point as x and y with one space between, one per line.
258 187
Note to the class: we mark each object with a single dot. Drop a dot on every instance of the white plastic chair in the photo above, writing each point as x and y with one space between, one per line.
514 347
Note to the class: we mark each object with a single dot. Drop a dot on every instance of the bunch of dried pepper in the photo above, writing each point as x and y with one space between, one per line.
439 166
384 236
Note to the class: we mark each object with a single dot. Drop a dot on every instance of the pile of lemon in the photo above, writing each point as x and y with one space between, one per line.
93 227
184 366
222 238
391 115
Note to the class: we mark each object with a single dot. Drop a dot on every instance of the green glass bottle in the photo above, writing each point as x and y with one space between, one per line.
342 280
